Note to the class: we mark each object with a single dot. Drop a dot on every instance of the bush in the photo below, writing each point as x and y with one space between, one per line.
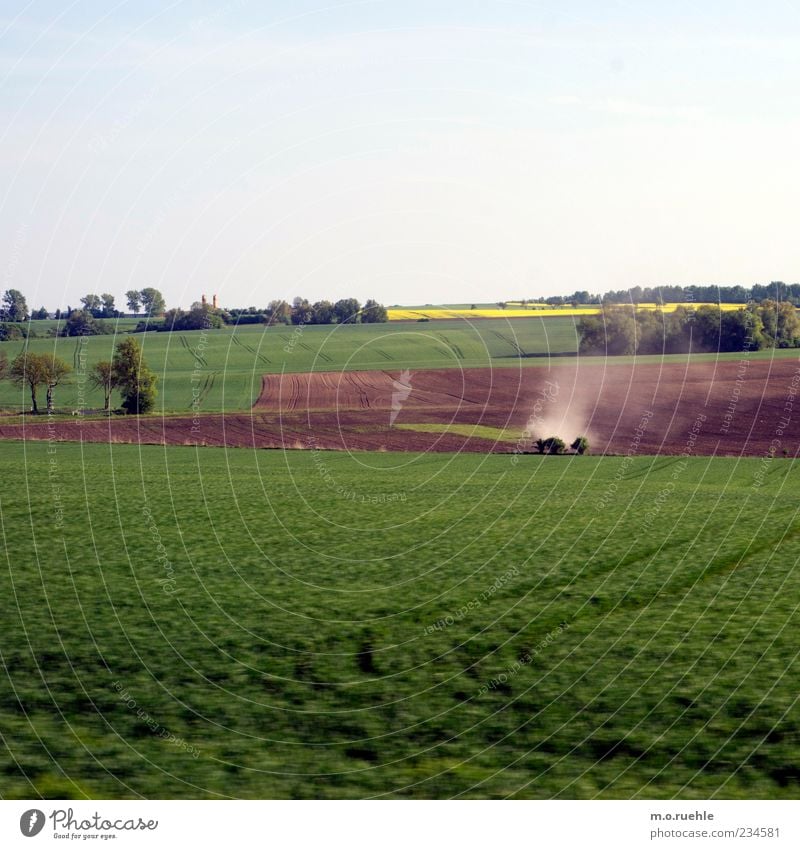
136 382
12 331
83 323
580 445
140 396
551 445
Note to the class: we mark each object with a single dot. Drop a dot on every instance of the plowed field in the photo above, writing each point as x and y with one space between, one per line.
747 407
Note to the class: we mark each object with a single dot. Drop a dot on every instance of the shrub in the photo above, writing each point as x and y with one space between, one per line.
551 445
580 445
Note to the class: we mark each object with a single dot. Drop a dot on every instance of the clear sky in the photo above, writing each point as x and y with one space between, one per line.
416 152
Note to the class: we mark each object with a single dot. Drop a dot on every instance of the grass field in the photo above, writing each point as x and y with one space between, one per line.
42 327
231 361
327 625
227 373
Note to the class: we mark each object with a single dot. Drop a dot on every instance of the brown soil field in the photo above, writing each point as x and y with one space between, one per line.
745 407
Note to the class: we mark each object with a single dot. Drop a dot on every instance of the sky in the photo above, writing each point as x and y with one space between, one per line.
413 152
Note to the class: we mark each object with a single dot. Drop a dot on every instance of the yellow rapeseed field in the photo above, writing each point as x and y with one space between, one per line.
530 311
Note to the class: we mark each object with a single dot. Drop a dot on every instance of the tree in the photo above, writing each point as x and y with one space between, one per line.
788 326
678 331
781 325
40 314
279 312
551 445
650 331
346 310
134 299
302 312
83 323
612 332
13 331
152 302
134 379
108 309
58 370
14 306
742 330
323 312
102 376
92 304
580 445
373 313
37 370
199 317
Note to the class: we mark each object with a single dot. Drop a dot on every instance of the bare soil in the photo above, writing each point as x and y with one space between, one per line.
728 408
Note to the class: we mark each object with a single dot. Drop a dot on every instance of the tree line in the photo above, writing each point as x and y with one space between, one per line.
300 312
127 371
776 291
620 330
88 319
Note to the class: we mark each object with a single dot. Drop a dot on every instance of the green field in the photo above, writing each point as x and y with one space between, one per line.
334 625
228 372
231 361
46 326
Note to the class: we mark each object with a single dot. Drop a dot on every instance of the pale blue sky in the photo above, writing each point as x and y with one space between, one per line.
410 151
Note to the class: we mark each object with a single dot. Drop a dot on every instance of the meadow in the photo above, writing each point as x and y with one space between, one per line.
223 368
214 623
226 365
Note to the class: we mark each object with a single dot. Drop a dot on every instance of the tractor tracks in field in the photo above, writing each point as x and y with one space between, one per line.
205 389
511 342
237 341
451 347
196 354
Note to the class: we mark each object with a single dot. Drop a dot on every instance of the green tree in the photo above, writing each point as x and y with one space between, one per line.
346 310
707 330
92 304
679 331
551 445
102 376
650 331
781 325
373 313
134 300
611 332
35 370
83 323
323 312
152 301
13 331
788 326
14 306
108 308
302 312
279 312
58 370
199 317
133 377
743 330
580 445
768 310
